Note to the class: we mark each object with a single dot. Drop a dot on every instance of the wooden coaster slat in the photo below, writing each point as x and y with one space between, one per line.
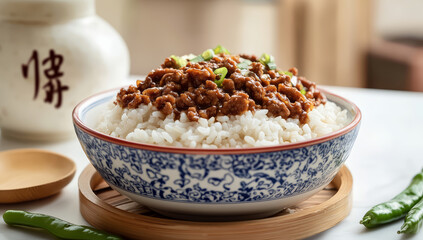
106 209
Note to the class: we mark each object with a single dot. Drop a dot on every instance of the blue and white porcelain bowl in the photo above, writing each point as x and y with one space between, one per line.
215 184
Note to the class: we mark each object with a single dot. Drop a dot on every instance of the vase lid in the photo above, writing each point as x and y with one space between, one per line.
45 11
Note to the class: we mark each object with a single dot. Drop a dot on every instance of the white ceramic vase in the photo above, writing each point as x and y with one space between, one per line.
53 53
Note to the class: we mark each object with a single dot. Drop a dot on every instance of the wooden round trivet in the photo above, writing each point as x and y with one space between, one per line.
106 209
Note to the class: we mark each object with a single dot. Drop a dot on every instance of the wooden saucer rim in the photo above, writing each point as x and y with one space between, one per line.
44 189
341 200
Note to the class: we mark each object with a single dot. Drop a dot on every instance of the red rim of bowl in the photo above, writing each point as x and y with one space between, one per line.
220 151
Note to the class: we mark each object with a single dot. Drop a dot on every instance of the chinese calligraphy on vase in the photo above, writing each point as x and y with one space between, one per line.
53 87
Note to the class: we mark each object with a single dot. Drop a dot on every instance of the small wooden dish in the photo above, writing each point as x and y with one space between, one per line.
30 174
107 209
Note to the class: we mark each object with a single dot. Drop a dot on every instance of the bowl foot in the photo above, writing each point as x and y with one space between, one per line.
217 211
216 218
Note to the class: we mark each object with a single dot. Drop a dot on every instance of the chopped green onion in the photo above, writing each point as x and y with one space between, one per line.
208 54
293 78
271 65
286 73
268 61
244 64
245 72
197 59
220 49
303 91
266 58
221 72
180 62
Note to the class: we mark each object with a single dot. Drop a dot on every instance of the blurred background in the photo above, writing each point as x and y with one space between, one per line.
356 43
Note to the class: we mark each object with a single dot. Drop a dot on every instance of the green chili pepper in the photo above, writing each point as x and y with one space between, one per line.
221 72
397 207
180 62
414 219
57 227
220 49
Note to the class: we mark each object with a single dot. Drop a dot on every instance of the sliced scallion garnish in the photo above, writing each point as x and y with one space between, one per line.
293 78
266 58
303 91
244 64
220 49
180 62
268 61
208 54
221 72
271 65
197 59
286 73
245 72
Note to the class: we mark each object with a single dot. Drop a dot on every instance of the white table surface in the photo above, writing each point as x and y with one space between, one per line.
386 155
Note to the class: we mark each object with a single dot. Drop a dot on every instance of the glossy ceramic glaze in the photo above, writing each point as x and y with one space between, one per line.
216 184
53 54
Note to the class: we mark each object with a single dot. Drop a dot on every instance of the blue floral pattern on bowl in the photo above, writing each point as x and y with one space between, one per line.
218 178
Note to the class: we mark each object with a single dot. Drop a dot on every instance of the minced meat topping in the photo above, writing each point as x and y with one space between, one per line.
217 83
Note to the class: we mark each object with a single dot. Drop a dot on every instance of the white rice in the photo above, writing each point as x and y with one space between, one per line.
146 124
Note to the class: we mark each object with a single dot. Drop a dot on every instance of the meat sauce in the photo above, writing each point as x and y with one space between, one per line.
196 90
